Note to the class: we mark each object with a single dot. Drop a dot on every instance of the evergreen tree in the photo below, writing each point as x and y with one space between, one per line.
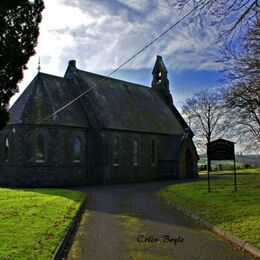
19 30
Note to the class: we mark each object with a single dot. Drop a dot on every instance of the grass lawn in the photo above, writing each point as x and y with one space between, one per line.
33 221
235 212
238 171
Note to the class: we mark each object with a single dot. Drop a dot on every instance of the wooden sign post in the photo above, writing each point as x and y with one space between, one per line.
221 149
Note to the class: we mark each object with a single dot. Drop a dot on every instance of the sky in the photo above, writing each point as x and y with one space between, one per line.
101 35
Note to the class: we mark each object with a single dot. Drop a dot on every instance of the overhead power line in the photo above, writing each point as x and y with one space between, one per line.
127 61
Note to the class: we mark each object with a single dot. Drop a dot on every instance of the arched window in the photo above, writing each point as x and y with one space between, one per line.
136 152
116 151
40 147
153 157
77 149
6 152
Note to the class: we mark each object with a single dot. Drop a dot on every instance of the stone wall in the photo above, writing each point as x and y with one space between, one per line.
58 167
125 170
97 161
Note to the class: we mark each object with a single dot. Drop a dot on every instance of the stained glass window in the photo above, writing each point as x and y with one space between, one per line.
116 151
136 152
6 149
39 153
77 149
153 152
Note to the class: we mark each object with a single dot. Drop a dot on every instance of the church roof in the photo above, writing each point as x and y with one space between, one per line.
116 104
44 95
127 106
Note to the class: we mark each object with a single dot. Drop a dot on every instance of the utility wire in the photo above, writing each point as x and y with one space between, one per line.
124 63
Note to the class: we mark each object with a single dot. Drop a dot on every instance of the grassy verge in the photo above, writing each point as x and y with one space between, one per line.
235 212
33 221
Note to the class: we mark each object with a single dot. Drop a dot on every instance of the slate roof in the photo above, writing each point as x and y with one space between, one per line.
127 106
44 95
117 104
17 109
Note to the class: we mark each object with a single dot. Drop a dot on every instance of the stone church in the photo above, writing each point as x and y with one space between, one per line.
118 132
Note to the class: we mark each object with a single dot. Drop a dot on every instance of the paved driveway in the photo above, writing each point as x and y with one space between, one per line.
129 222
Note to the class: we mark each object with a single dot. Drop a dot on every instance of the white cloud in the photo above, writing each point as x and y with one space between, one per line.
113 37
101 37
136 5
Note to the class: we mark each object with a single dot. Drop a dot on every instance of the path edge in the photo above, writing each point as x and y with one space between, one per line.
244 246
58 254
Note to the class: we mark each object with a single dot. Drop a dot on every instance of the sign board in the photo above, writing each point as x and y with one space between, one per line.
220 149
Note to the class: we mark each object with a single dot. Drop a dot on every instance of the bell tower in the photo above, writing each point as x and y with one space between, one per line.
160 82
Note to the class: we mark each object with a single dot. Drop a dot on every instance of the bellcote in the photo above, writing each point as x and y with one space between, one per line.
159 67
160 78
160 81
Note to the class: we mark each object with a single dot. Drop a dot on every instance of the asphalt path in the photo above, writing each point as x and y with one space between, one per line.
156 231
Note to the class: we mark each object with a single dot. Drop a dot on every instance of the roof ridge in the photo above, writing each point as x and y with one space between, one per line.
118 80
50 99
47 74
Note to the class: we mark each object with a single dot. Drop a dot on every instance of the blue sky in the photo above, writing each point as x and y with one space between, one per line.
101 35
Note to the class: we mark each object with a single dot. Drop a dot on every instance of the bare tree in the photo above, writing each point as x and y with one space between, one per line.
242 59
244 101
232 17
206 113
243 95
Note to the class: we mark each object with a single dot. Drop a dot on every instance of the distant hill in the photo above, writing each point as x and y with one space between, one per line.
241 159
